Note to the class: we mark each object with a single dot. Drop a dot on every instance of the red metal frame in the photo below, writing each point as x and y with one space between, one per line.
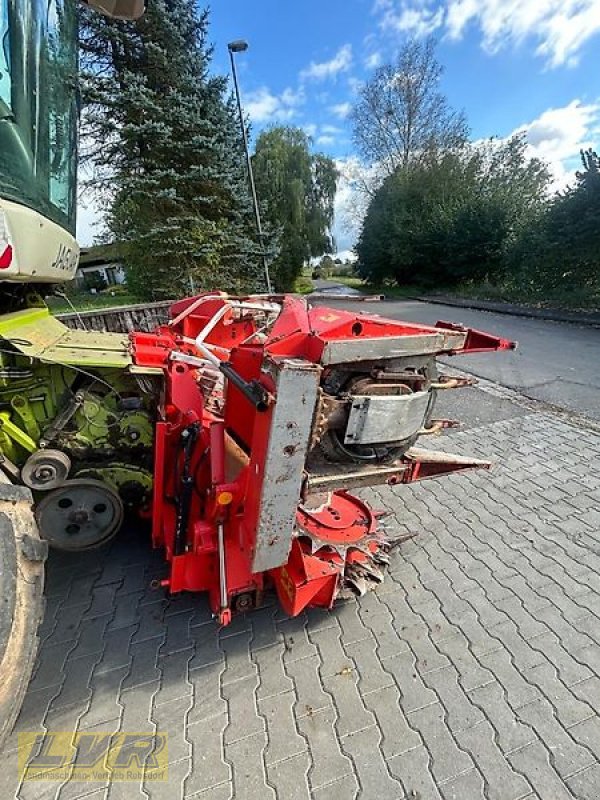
217 499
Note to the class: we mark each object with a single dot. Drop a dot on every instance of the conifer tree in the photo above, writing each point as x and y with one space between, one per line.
162 138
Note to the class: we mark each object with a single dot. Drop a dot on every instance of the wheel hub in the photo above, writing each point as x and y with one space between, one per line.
79 515
338 521
341 530
46 470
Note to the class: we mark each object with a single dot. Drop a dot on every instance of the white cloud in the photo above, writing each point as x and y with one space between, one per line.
341 109
355 84
90 220
341 62
559 27
91 207
327 133
346 255
418 21
352 199
558 134
291 98
345 227
262 105
373 60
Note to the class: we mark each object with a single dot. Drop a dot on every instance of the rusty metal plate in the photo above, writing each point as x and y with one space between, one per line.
376 419
344 351
297 383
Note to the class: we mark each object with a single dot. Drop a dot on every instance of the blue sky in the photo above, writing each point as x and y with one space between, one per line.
510 64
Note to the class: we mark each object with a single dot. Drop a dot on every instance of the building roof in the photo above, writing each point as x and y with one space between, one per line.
100 255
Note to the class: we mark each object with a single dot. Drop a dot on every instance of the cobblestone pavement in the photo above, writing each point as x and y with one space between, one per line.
472 672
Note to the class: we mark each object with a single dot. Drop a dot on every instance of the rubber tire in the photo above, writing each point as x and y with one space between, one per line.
334 452
22 555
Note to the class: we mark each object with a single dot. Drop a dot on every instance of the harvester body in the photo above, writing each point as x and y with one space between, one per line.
272 411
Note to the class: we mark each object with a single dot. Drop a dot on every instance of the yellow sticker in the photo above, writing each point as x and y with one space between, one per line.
286 583
224 498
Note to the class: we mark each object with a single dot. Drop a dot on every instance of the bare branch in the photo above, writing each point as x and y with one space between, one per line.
401 115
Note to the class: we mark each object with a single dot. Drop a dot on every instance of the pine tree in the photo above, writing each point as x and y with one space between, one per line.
162 137
590 160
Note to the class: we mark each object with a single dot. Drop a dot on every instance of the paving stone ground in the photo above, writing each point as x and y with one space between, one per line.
472 672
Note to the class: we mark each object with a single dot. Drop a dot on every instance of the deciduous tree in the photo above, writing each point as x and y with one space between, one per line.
297 189
451 217
401 115
557 253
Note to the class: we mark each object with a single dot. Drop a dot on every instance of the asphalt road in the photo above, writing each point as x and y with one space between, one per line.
555 362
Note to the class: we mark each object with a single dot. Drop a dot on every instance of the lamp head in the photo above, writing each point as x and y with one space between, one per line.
239 46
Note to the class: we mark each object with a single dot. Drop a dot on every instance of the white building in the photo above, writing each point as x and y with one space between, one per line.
102 260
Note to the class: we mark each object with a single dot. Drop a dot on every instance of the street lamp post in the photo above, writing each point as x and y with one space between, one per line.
240 46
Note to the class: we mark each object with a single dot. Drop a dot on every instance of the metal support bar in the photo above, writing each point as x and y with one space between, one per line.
222 566
224 611
253 391
217 453
23 410
16 434
193 361
184 502
259 229
476 341
61 419
193 306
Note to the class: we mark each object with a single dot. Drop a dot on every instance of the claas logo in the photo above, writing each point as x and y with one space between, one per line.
64 755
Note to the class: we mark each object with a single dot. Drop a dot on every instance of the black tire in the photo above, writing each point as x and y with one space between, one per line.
333 448
336 452
22 556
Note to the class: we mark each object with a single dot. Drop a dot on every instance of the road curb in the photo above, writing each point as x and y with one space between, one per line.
362 298
590 319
